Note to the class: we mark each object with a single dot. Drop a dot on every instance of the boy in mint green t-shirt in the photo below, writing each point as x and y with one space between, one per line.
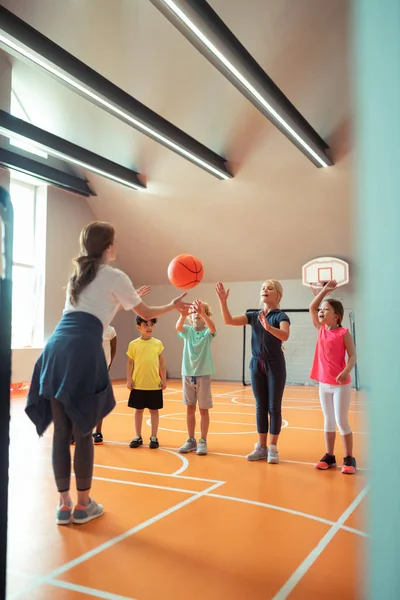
197 368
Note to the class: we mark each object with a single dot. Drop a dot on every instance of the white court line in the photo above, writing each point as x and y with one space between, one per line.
82 589
228 393
155 473
221 496
214 403
145 485
218 422
319 429
291 511
184 460
295 462
302 569
176 475
172 417
113 541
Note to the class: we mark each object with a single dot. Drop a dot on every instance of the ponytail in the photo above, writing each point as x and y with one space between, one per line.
85 270
94 240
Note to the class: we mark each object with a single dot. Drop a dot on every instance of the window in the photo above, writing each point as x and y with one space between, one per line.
29 205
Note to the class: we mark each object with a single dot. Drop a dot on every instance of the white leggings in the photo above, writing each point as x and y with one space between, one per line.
335 402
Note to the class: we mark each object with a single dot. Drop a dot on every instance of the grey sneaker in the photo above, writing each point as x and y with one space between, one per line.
273 456
189 446
84 514
258 453
202 447
63 514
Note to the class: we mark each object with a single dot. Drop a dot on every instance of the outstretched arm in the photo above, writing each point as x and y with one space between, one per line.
329 287
223 294
151 312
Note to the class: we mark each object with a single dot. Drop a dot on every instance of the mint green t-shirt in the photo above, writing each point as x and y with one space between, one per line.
197 359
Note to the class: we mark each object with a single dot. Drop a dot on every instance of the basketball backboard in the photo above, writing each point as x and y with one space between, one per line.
320 270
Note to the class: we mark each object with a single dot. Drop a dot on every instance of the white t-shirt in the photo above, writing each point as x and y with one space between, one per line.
110 290
108 335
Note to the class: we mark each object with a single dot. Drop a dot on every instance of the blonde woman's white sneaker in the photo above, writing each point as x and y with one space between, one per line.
273 456
258 453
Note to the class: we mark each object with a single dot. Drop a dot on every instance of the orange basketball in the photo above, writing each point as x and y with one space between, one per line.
185 271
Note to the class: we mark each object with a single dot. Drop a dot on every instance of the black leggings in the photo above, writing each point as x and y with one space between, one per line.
268 382
84 453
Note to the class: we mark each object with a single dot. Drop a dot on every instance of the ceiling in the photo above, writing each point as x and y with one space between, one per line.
279 211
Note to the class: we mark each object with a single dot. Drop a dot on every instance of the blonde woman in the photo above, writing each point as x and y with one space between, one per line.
197 368
270 327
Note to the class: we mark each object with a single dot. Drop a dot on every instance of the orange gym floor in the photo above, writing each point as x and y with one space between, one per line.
178 527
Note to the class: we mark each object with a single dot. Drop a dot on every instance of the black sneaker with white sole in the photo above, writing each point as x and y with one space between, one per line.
136 442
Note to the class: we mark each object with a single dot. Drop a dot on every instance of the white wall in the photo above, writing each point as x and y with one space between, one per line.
66 215
228 345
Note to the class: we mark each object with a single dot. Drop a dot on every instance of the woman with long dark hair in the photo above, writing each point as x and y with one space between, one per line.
70 383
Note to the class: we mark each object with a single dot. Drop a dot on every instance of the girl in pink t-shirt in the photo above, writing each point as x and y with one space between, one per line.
333 374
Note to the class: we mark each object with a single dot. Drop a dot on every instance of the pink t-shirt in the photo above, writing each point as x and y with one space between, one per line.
330 356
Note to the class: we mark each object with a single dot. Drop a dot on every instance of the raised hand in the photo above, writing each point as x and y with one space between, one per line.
222 293
178 303
198 307
143 291
330 286
185 311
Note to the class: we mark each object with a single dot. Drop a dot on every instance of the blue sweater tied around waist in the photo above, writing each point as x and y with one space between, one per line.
72 368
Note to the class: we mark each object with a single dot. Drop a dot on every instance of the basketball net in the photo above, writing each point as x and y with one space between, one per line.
317 287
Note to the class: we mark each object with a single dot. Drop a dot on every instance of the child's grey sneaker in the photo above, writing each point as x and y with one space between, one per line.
273 456
189 446
63 514
258 453
202 447
84 514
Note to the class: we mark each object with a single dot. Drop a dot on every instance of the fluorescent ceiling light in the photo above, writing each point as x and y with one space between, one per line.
20 38
15 128
242 80
74 161
15 162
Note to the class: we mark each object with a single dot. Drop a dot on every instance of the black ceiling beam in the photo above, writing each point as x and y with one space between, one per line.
23 41
57 146
259 87
16 162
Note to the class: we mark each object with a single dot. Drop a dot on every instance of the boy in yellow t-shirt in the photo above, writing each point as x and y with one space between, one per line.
146 377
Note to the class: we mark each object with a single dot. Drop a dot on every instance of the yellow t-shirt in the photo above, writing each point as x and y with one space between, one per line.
146 369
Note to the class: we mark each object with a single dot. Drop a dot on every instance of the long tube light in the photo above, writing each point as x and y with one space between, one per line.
15 128
16 162
195 17
22 40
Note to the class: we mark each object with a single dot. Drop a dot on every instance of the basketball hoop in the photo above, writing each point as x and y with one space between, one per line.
317 286
319 271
